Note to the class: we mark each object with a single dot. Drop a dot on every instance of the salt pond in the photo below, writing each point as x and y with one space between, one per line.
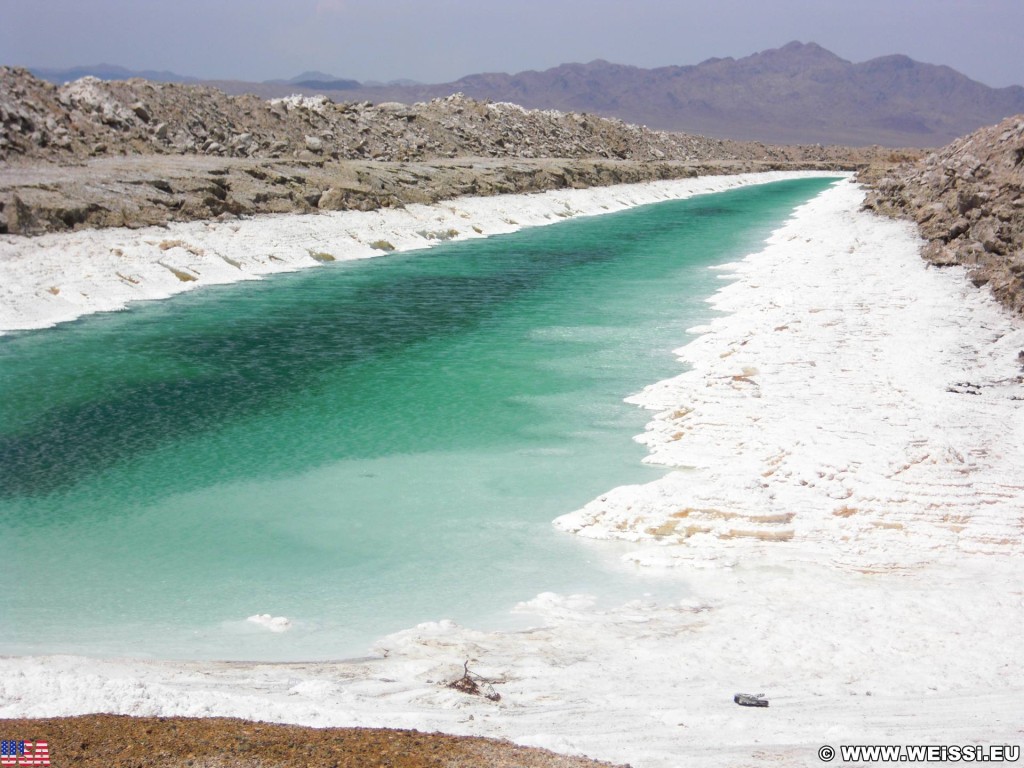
845 510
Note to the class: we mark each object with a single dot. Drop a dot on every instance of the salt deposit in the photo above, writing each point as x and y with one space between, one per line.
54 278
844 510
848 404
273 623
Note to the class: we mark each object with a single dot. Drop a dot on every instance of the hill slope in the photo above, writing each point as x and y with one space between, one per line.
95 117
967 201
133 153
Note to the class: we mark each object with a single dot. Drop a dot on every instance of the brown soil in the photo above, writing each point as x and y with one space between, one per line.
109 741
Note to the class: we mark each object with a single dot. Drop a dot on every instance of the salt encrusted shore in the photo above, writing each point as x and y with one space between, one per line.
58 277
849 402
844 522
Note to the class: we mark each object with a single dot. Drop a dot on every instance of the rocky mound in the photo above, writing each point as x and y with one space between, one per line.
93 153
968 202
91 117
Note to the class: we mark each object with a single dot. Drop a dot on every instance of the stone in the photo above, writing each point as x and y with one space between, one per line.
750 700
334 199
988 233
140 111
959 227
21 219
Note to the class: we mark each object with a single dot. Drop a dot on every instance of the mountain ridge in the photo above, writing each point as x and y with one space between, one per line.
59 76
798 93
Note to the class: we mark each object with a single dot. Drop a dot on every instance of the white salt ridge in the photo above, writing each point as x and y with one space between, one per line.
58 277
857 631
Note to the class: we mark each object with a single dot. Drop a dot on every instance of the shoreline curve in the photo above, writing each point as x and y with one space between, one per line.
59 277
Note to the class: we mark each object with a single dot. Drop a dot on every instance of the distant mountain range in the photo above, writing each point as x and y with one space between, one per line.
108 72
312 80
800 93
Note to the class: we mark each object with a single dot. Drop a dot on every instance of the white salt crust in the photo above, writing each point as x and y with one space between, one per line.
58 277
844 515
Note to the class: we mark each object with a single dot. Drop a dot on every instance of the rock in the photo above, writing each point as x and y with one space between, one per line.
959 227
332 200
750 700
988 233
353 197
314 144
140 111
21 220
938 254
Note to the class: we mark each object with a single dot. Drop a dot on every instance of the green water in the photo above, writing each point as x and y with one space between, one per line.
359 447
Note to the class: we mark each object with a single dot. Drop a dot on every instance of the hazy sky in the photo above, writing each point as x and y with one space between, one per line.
441 40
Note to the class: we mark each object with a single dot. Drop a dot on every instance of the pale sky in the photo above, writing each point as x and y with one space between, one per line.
441 40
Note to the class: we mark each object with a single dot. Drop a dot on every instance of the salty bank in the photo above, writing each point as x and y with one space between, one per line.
843 501
58 277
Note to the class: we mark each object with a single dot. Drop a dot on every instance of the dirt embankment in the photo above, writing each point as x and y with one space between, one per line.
968 202
112 741
94 154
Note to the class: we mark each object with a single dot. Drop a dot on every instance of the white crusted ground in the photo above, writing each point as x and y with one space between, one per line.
853 402
54 278
848 540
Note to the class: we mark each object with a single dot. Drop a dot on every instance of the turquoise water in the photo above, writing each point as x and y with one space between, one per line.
359 447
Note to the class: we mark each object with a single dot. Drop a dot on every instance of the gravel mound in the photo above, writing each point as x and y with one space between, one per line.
968 202
94 153
92 117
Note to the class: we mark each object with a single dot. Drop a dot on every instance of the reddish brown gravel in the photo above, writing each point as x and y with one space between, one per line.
110 741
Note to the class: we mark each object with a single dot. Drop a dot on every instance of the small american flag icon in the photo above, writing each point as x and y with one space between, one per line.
18 752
